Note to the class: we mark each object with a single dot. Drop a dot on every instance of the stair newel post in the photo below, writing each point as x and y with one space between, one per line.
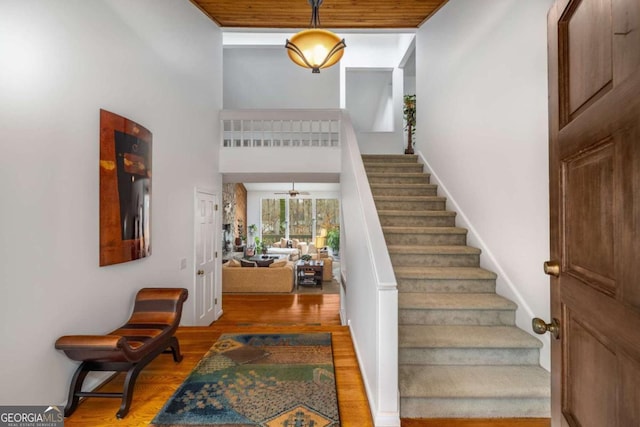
409 111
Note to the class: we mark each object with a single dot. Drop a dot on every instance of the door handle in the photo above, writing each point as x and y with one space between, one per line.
552 268
540 327
200 272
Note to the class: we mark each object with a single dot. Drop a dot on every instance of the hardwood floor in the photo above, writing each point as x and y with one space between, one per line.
242 313
257 313
510 422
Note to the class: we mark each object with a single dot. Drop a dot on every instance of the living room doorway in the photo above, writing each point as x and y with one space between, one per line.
261 211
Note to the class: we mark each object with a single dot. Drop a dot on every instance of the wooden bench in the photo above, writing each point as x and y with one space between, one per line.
148 332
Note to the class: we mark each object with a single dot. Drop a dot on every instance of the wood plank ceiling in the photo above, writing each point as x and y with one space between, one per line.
356 14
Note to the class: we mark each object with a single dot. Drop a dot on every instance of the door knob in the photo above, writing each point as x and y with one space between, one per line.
540 327
200 272
552 268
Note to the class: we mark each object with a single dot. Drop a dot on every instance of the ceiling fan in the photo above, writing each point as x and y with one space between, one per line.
293 192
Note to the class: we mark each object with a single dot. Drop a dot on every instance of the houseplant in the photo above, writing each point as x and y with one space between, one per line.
259 246
409 112
252 229
333 240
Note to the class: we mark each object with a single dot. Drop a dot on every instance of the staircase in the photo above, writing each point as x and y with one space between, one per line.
460 353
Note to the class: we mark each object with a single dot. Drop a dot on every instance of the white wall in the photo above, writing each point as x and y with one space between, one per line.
409 71
378 51
265 77
482 127
369 99
157 62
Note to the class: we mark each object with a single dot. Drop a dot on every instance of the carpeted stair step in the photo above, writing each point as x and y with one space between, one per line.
397 158
393 167
398 178
434 256
473 391
404 189
460 354
395 217
425 236
466 345
411 203
445 279
455 309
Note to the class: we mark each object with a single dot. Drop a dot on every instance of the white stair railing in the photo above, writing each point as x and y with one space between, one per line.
280 128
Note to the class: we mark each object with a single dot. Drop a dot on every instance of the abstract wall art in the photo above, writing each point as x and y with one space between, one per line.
125 189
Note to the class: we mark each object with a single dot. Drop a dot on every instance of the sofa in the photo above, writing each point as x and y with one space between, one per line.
294 248
293 254
277 277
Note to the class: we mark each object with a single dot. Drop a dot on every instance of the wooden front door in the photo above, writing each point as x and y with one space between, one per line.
594 110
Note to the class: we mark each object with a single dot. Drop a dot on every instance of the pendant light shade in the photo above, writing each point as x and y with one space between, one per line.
315 48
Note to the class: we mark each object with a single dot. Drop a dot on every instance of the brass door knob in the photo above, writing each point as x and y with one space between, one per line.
552 268
540 327
200 272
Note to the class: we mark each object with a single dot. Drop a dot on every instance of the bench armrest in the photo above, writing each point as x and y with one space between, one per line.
90 342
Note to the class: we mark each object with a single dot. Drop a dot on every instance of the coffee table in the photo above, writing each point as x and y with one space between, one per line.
266 257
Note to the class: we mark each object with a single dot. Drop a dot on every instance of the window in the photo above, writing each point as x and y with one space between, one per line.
304 219
327 218
273 221
301 219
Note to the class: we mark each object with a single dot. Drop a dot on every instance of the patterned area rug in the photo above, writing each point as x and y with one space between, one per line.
258 380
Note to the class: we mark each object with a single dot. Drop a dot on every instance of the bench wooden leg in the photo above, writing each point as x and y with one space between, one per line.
127 393
74 389
132 375
174 345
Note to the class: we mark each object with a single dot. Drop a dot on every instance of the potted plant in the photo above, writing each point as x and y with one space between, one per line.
333 240
409 112
258 243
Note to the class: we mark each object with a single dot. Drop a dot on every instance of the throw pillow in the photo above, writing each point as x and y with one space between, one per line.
234 263
279 263
283 242
265 262
295 243
289 244
247 263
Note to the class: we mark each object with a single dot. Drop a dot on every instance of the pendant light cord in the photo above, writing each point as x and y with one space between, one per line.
315 13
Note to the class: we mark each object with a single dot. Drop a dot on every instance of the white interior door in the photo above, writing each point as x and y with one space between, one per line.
206 236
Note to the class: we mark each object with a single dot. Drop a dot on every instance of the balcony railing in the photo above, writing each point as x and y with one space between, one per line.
280 128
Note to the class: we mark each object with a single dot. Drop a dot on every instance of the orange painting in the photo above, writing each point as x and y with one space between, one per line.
125 189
